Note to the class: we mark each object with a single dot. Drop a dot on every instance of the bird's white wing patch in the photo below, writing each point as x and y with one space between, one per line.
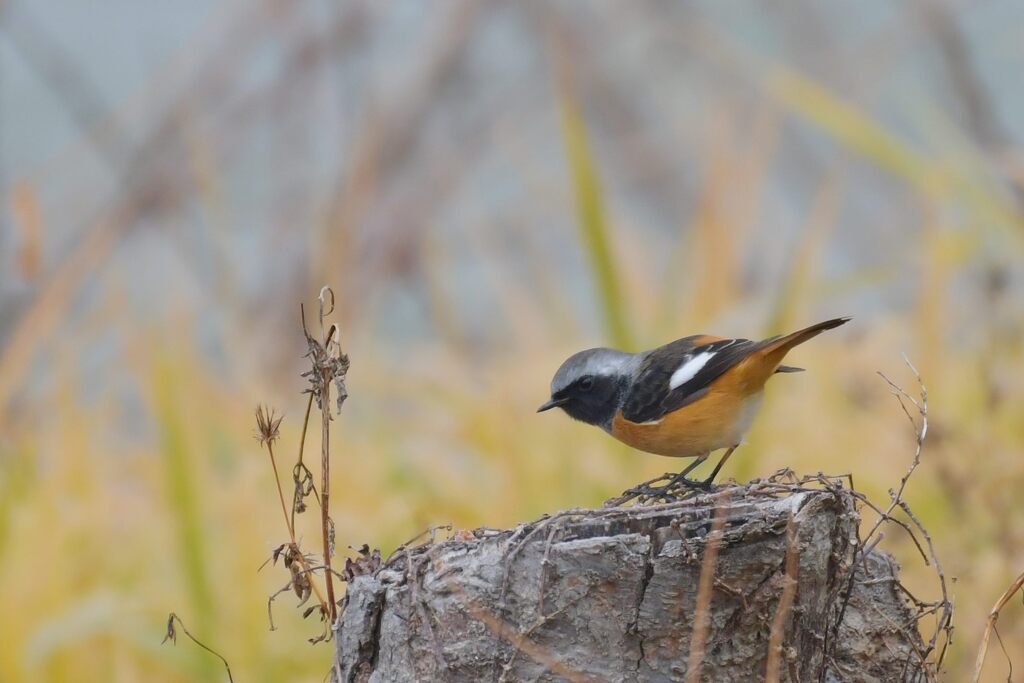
689 369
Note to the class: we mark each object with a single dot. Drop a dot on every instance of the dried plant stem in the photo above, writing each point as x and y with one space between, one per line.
302 441
329 365
784 607
325 493
943 607
325 482
309 402
705 586
990 626
172 635
296 552
307 571
267 431
288 520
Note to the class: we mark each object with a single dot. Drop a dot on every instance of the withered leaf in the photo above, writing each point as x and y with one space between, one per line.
368 562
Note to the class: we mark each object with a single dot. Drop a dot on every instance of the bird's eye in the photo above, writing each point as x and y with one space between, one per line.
587 383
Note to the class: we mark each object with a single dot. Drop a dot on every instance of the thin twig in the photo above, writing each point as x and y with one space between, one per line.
172 635
943 607
785 604
298 496
920 432
329 365
990 625
705 586
270 600
267 424
544 564
325 491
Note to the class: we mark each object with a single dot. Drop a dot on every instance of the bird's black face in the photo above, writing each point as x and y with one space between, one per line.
590 398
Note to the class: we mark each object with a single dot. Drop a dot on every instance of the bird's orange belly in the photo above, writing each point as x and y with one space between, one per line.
717 420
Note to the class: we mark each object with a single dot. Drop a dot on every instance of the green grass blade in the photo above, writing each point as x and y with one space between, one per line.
183 500
592 222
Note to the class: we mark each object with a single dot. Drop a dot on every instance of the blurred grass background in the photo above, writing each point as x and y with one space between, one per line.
488 187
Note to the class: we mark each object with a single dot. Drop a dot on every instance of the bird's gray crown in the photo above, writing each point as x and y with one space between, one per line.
599 362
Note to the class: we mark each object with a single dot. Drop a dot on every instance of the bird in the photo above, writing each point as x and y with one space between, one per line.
686 399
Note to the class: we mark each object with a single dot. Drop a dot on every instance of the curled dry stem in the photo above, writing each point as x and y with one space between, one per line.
172 635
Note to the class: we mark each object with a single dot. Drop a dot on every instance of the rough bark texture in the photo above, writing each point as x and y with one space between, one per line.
612 595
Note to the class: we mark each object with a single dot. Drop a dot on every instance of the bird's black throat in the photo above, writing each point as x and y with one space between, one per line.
593 399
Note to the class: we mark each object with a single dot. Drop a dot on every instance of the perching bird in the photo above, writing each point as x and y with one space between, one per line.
685 399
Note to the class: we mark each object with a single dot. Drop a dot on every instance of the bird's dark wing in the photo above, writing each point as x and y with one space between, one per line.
651 395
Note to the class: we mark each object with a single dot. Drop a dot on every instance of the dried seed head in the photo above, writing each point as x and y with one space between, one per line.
172 634
267 425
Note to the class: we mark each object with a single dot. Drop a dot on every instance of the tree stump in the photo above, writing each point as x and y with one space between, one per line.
755 582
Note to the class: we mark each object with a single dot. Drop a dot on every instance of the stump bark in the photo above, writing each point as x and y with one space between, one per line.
631 594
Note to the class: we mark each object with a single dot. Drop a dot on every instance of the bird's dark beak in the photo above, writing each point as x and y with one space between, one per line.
553 403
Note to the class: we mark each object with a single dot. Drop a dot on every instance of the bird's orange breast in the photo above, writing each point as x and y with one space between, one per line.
719 419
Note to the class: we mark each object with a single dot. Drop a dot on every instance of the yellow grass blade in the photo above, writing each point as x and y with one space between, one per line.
851 127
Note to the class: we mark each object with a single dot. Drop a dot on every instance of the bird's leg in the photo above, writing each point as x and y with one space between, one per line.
681 477
714 472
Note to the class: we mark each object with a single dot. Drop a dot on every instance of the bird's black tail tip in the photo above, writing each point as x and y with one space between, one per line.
834 322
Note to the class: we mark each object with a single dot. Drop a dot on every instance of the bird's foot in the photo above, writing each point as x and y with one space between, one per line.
699 485
677 488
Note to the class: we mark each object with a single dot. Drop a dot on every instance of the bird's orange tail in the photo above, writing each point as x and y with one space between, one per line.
765 361
781 345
